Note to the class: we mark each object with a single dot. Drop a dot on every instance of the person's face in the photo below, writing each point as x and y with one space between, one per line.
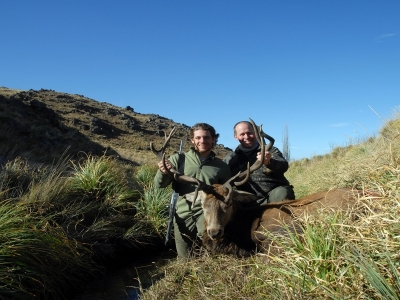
245 135
203 141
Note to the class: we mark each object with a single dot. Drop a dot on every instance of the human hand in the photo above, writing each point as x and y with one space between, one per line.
267 157
161 166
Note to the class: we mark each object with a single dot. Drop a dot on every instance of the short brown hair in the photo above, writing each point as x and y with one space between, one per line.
206 127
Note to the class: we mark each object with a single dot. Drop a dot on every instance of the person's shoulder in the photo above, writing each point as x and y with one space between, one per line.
275 150
219 161
191 152
229 156
173 158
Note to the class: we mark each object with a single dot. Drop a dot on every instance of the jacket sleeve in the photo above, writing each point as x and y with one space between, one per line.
231 159
227 174
277 163
162 180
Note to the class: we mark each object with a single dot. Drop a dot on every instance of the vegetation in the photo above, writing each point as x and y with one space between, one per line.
63 223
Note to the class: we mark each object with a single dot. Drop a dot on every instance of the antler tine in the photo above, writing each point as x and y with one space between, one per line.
259 162
258 132
159 153
271 139
238 175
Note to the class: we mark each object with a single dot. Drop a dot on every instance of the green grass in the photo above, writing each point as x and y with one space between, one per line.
37 259
60 224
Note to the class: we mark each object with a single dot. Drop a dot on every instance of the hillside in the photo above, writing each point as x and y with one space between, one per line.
42 124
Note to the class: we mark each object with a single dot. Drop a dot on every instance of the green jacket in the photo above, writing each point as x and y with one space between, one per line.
212 170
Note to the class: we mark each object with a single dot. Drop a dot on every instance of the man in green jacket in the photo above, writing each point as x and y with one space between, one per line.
200 162
269 181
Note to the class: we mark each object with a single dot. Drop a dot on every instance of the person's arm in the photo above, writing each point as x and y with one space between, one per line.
231 159
162 180
226 173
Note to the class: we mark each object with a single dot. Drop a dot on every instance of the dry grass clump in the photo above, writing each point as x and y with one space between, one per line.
8 92
207 277
38 260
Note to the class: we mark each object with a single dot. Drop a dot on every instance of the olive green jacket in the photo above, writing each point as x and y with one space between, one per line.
210 171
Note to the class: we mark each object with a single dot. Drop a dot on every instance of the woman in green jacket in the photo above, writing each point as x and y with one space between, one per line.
199 162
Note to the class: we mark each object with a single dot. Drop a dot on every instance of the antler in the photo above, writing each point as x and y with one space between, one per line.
182 178
160 153
271 139
245 175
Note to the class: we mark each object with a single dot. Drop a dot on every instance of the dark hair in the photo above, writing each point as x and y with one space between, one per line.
234 127
206 127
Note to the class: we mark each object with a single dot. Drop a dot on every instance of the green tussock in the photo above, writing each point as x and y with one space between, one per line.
60 224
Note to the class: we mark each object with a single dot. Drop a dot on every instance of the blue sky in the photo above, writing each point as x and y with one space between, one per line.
328 70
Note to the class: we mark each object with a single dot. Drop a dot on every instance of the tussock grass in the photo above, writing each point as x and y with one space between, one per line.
60 224
154 207
38 259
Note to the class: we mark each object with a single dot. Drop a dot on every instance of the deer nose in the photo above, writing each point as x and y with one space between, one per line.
215 233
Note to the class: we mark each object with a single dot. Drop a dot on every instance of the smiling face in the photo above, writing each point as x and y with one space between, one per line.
244 133
203 142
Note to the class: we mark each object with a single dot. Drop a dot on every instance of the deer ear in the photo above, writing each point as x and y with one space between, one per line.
245 197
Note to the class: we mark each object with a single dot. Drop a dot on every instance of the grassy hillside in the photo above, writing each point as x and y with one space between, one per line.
352 166
42 124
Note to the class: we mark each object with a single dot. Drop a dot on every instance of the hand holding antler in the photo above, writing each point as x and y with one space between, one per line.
161 152
267 157
167 167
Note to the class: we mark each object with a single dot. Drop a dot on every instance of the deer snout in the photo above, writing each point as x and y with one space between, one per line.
214 233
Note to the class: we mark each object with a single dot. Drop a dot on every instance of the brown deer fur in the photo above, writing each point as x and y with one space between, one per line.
231 229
